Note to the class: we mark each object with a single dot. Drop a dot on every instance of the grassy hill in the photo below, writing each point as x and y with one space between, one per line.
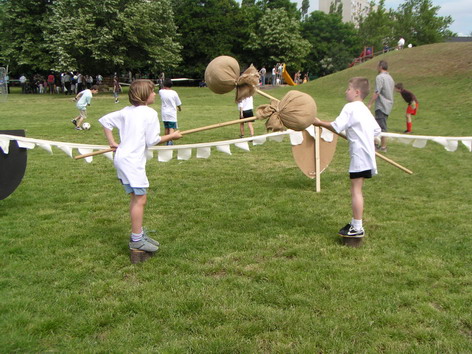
250 261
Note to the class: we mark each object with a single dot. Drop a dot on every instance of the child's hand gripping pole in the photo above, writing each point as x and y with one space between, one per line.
185 132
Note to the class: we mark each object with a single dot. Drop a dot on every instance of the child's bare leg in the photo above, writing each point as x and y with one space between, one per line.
357 198
251 128
136 211
79 120
241 129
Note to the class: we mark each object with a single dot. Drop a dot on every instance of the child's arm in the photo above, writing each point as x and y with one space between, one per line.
173 136
78 95
324 124
179 108
110 138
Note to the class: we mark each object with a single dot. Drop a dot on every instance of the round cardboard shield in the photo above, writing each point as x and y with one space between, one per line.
304 154
12 165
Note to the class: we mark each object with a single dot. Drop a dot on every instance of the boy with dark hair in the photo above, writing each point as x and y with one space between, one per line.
412 107
361 128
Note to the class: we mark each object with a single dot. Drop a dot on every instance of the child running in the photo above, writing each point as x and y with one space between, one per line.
409 98
361 128
139 129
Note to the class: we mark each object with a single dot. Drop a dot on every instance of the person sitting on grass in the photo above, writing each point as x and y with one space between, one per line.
361 129
83 99
138 127
409 98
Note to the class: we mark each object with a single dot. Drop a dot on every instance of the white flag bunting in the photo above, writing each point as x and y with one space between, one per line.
203 150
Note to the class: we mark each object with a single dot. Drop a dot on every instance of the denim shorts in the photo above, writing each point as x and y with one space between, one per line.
170 125
136 191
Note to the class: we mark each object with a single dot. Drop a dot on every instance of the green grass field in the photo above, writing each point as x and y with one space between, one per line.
250 261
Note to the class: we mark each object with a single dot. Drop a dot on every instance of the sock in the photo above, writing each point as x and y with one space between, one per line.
136 237
356 224
409 126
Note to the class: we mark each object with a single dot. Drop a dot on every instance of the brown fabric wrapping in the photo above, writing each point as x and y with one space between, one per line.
246 82
295 111
222 76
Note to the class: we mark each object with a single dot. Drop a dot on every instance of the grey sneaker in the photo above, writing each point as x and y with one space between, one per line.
149 239
142 245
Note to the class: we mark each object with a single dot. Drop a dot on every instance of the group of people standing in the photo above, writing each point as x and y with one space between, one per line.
56 83
276 78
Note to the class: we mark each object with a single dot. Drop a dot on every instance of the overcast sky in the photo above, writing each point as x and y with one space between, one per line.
459 10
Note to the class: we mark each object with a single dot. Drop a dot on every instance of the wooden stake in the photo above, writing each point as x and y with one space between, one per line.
317 159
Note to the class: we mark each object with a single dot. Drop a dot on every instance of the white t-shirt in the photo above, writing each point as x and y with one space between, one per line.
170 100
139 129
361 128
84 100
246 104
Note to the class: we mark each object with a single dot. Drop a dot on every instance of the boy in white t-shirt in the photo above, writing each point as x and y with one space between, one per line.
170 104
245 107
139 129
361 129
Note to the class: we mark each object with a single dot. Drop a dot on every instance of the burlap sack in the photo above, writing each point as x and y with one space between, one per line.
222 76
246 83
295 111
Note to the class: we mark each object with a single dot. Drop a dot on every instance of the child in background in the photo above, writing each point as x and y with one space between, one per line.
84 98
245 107
409 98
116 88
170 104
361 128
139 129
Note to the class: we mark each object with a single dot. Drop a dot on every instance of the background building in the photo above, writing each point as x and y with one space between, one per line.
352 9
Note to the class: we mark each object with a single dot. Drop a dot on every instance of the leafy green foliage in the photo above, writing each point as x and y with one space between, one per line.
137 35
333 43
22 46
209 28
418 22
278 39
377 28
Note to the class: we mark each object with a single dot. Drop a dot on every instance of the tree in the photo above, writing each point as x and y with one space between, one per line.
377 28
208 29
22 46
333 43
277 38
417 21
304 8
102 36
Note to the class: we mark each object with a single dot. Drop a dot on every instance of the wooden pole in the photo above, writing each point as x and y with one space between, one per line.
317 159
185 132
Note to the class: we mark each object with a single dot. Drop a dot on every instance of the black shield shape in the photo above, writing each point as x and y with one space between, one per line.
12 165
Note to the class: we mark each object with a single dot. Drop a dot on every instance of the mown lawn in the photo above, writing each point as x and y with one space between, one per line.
250 260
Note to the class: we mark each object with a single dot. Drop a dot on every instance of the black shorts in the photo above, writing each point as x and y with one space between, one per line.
362 174
248 114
